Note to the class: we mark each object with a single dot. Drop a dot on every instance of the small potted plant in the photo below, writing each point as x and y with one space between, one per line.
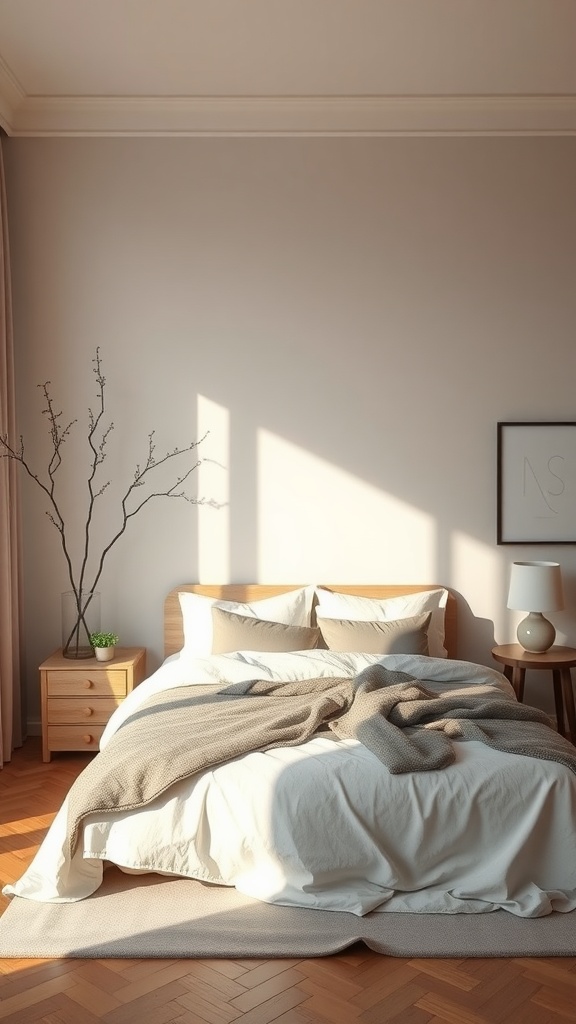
104 645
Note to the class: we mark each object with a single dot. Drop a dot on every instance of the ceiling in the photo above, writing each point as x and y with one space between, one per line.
287 67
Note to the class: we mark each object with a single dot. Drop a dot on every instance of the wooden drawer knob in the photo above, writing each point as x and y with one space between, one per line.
88 712
87 738
88 684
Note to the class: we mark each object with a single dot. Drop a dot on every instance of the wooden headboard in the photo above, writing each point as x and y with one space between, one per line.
243 592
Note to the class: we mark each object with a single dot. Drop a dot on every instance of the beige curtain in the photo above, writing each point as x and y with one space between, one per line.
11 704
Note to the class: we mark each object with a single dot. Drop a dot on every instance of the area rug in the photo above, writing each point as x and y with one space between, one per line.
149 916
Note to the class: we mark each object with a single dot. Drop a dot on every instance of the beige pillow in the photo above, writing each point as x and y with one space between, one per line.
333 605
231 632
293 608
403 636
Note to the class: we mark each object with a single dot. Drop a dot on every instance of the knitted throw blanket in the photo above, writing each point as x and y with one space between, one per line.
179 732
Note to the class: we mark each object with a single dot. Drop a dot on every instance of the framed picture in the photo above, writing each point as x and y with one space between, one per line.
536 483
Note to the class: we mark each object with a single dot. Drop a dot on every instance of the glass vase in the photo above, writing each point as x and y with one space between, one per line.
80 618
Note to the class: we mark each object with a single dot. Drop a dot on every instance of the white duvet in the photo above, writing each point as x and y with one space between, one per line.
325 825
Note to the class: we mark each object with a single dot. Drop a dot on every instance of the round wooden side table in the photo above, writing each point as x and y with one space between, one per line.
558 661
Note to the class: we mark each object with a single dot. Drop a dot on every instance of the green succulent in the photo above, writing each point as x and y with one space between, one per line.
103 639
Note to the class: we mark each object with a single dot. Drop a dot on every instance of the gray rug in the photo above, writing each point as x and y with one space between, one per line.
148 916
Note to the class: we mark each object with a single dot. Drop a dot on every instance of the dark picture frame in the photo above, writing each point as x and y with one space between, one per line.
536 483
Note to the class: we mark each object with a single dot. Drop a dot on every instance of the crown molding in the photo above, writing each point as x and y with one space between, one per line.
23 116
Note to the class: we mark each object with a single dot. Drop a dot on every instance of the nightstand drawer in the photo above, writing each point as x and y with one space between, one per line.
101 683
74 737
77 710
78 697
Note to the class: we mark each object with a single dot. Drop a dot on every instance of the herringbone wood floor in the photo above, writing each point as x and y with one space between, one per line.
358 986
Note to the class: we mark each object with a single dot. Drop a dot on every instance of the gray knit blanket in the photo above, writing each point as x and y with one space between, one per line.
181 731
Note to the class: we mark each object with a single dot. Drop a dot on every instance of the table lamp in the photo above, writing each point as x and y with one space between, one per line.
536 587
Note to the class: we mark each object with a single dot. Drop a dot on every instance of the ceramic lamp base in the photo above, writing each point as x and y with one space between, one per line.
535 633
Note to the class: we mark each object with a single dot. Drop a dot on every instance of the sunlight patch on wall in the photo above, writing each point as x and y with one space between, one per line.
319 522
478 569
214 485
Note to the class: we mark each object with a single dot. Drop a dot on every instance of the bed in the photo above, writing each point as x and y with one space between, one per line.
323 747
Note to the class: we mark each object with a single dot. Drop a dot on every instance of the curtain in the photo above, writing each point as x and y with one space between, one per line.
11 703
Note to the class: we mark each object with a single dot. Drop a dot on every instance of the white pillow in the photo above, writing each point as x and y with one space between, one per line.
348 606
294 608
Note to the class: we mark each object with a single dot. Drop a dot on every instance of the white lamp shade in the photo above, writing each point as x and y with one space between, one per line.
536 587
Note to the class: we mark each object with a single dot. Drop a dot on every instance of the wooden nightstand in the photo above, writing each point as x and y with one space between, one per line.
558 661
78 696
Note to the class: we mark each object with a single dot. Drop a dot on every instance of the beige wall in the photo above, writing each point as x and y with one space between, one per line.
349 317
